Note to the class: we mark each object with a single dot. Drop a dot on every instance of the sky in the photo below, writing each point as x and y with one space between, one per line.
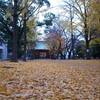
56 4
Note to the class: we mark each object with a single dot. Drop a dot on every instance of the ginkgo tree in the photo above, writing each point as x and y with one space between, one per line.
94 20
69 25
22 7
82 8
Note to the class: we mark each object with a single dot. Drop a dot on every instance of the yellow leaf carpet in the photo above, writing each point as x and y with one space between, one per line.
50 80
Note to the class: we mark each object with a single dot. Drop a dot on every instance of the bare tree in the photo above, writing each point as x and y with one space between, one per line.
55 40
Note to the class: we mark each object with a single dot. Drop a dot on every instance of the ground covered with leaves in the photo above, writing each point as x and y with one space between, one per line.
50 80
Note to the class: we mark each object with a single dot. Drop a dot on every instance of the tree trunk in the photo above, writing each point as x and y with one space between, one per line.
61 55
86 33
14 48
72 48
87 41
87 49
69 55
24 59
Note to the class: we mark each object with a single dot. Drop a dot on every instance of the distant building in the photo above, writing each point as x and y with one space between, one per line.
3 51
41 51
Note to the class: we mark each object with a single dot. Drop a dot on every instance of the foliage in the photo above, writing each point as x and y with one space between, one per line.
50 80
95 17
95 48
6 31
48 19
80 50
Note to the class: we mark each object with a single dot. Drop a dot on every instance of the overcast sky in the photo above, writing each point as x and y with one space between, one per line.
54 2
56 5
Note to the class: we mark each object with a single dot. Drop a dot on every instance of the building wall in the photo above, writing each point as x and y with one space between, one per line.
3 52
42 54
